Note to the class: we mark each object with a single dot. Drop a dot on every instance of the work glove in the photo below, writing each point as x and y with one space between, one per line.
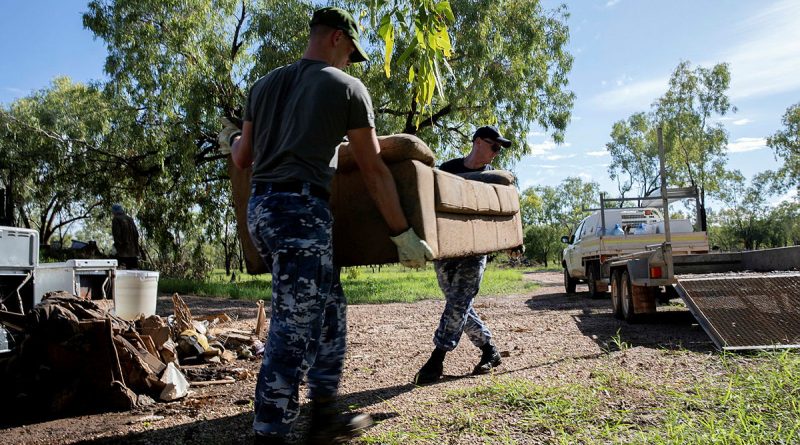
229 132
411 249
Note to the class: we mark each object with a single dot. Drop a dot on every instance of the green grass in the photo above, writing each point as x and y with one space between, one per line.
755 401
362 285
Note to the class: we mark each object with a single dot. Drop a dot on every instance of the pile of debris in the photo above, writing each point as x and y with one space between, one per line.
75 357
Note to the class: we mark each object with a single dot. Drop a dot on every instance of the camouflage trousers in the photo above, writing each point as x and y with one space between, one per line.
308 327
460 280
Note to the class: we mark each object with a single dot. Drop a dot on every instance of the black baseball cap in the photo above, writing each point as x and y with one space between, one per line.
338 18
490 132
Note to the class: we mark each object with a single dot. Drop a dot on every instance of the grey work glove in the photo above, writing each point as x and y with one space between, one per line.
411 249
229 132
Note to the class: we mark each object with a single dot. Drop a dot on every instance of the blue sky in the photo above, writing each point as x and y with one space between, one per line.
625 51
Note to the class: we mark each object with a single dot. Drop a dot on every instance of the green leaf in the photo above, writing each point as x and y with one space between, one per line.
443 8
386 32
407 53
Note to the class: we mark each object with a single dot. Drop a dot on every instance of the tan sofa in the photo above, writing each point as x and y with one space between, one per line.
456 216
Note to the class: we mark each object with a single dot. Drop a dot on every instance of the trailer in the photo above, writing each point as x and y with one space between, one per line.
743 300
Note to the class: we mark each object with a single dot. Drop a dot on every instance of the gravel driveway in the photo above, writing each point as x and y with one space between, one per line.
545 336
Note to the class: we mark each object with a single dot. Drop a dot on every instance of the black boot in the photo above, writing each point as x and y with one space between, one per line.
329 426
269 440
432 370
490 359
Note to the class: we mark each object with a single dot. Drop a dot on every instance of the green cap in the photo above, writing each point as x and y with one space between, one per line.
338 18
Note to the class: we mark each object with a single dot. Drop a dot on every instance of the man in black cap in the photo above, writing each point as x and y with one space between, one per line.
460 278
295 118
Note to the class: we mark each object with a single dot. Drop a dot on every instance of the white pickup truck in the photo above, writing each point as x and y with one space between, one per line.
627 231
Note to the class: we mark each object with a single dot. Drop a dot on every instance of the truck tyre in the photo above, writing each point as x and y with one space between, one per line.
626 297
569 282
592 275
616 294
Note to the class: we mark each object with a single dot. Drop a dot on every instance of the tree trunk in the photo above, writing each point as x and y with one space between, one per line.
8 203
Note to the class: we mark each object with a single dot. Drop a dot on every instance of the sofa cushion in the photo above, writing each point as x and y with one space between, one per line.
394 148
502 177
455 194
465 235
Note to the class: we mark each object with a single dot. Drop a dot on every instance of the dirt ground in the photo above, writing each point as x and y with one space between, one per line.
544 336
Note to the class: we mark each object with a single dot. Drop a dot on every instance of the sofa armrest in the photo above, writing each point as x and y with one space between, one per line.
360 234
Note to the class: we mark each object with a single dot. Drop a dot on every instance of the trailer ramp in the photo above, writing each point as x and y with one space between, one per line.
742 311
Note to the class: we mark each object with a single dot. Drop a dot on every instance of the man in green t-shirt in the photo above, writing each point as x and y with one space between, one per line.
295 118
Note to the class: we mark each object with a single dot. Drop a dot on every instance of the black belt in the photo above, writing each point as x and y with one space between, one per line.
260 188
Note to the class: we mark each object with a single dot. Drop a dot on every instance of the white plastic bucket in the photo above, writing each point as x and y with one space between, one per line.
135 293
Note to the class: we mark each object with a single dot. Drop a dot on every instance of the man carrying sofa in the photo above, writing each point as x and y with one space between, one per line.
460 278
295 117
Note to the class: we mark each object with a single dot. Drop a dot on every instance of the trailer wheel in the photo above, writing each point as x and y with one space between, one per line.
616 294
592 275
626 297
569 282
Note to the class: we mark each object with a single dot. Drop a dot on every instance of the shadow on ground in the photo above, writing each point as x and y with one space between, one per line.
672 328
237 429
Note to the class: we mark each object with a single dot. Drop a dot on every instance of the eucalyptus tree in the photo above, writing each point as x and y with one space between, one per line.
696 144
183 63
542 243
552 212
786 144
508 66
52 157
634 155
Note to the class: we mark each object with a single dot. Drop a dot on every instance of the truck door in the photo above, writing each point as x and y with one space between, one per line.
574 252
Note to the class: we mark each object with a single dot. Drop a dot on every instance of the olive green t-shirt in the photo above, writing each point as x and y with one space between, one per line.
300 113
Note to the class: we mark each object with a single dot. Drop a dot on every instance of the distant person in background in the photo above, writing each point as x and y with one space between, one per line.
126 238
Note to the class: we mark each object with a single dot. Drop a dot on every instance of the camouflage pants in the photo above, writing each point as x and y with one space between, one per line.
308 324
460 280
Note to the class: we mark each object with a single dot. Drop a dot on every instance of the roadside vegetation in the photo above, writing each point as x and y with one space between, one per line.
753 400
362 285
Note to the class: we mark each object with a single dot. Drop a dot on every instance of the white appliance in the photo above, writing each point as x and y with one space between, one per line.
19 256
89 279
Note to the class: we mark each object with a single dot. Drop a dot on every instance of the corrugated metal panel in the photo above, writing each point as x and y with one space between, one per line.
746 310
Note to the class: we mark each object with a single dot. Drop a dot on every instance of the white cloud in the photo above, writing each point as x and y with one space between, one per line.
597 153
623 80
767 60
611 3
742 145
733 120
633 96
585 176
789 196
543 148
558 157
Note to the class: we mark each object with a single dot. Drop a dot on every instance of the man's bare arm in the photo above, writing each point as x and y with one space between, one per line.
377 177
242 148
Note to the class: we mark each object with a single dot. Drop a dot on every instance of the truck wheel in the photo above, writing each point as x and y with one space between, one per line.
569 282
626 297
616 294
592 276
